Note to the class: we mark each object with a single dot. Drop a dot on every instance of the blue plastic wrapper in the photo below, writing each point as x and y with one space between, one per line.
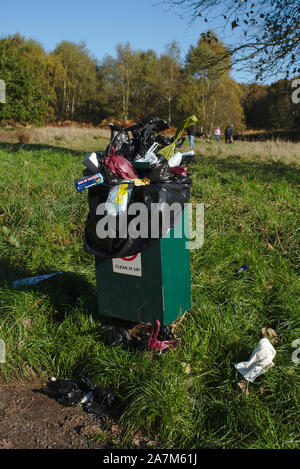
88 181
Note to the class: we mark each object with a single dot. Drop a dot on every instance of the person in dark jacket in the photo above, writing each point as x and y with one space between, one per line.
229 132
226 133
191 133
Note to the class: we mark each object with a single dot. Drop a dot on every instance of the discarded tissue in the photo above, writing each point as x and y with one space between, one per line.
259 362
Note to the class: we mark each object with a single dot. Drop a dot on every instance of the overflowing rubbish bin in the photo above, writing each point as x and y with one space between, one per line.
137 225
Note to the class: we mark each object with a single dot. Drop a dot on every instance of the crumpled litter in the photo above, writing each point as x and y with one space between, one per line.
259 362
155 344
244 267
115 336
176 159
118 199
168 151
142 182
120 166
161 173
160 338
94 399
179 170
150 157
145 137
120 142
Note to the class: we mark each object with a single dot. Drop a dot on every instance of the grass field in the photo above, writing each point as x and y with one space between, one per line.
188 397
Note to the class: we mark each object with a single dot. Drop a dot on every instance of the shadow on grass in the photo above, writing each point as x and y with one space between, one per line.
253 170
65 291
15 147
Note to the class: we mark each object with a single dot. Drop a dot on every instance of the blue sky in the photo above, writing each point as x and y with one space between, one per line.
102 24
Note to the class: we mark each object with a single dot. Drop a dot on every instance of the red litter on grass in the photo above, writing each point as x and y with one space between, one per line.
154 344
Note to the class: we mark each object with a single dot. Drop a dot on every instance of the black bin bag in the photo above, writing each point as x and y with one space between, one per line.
160 194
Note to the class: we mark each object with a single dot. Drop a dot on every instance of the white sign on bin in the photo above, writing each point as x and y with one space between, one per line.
131 265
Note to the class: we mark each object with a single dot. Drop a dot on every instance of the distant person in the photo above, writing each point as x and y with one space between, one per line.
229 134
217 133
191 133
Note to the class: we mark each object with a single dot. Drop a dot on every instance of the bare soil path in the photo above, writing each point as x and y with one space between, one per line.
31 420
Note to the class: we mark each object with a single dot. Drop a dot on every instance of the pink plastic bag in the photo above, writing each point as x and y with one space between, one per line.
154 344
120 166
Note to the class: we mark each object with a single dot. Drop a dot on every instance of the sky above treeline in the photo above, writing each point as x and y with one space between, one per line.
101 24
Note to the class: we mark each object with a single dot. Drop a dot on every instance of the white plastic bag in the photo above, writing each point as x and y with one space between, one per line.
118 199
259 362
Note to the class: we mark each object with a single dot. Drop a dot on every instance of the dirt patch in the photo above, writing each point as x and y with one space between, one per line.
31 420
140 331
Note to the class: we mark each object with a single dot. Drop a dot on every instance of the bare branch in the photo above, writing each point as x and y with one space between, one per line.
269 31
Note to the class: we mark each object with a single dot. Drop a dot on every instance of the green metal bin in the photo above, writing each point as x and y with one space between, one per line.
154 284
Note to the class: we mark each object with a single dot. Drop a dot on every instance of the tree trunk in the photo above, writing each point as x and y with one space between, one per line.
64 104
123 92
213 117
72 107
127 96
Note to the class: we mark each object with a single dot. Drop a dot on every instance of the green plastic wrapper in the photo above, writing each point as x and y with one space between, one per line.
168 151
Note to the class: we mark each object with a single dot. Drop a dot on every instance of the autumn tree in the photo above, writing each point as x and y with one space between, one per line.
126 65
144 101
139 84
270 106
210 93
23 65
169 77
76 85
254 104
123 79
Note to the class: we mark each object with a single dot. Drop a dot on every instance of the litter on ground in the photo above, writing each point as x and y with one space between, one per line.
259 362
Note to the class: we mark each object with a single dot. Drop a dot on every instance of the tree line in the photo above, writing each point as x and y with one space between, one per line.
69 84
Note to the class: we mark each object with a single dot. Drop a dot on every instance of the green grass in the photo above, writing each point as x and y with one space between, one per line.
251 217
